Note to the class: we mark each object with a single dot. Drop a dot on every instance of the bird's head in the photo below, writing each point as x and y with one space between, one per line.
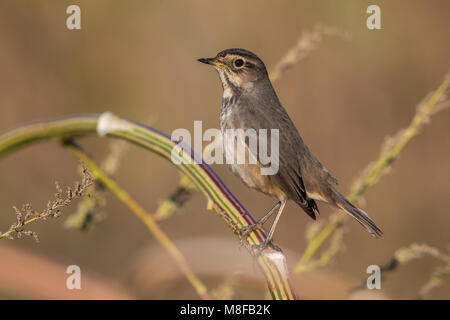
239 69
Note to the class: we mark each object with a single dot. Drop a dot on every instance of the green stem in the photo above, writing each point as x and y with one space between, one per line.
220 199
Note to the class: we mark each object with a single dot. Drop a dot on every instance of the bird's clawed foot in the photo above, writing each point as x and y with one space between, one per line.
245 231
259 248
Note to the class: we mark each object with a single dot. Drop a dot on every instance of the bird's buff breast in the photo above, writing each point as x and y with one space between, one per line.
248 172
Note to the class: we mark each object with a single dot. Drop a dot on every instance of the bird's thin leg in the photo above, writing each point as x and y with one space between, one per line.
274 224
245 231
272 228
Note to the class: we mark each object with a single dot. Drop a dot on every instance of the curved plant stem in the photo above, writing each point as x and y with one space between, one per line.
220 199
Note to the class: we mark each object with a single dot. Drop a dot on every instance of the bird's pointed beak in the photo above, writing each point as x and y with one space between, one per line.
210 61
206 60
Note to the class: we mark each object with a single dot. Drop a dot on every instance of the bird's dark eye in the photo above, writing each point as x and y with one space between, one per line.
238 63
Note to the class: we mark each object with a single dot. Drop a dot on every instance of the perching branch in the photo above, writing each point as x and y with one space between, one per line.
220 199
373 173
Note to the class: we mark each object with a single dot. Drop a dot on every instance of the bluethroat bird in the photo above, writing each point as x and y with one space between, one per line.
250 102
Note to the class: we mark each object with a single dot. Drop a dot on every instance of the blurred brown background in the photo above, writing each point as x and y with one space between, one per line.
138 59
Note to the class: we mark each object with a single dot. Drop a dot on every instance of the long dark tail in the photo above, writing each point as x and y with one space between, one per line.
358 214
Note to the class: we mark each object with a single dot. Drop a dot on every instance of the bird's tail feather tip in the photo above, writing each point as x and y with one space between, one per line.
360 216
